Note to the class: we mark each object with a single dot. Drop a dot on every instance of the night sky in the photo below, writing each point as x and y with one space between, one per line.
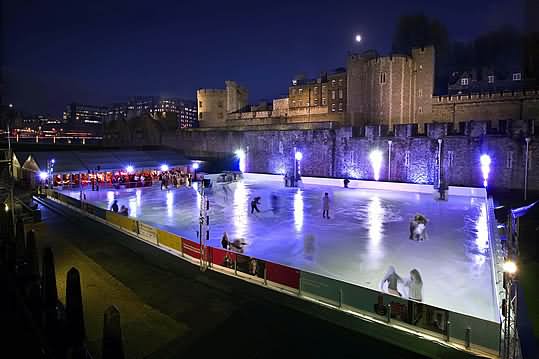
98 52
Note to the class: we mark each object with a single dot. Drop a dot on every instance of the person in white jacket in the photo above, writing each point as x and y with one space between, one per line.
415 286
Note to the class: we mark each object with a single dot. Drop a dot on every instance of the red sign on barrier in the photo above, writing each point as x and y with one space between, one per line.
282 274
191 248
221 257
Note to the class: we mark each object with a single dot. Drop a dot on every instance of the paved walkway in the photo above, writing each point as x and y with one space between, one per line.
169 313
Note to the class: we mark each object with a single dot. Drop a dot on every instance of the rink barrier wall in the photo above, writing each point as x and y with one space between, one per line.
376 185
339 295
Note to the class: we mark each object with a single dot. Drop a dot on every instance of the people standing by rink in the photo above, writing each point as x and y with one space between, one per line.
325 206
415 286
114 207
124 211
392 279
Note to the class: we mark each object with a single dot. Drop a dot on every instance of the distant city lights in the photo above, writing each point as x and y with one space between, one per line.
241 156
130 169
298 156
376 159
485 168
164 168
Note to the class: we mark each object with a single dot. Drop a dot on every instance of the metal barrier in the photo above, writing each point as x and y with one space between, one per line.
404 314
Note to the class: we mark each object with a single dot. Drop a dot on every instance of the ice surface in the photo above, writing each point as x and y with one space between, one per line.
367 232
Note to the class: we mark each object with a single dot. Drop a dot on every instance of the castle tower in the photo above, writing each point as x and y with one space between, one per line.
236 96
211 106
423 84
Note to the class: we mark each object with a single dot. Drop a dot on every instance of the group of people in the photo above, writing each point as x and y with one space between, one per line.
123 210
414 284
235 245
175 178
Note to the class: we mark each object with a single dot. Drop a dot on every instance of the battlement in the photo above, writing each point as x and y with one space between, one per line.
210 91
517 95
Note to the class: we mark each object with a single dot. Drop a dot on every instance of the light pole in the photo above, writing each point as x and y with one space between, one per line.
389 160
526 165
510 309
440 163
298 156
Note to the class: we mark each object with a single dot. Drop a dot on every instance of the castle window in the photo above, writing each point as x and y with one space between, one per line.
490 79
332 107
341 81
517 76
324 101
294 103
333 82
315 89
382 77
509 160
307 103
420 109
420 92
333 95
299 103
340 106
464 81
199 103
341 93
421 67
200 116
300 91
450 158
407 159
316 102
220 104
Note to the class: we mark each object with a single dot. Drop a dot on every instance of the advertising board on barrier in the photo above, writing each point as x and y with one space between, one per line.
123 221
169 240
191 248
281 274
96 211
147 232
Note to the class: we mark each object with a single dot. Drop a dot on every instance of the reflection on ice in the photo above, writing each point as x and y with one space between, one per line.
298 210
481 239
240 210
375 222
170 203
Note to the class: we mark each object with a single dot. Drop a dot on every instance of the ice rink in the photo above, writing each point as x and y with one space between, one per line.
367 232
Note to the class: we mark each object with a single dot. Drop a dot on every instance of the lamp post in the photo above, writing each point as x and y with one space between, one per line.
440 163
298 156
389 160
195 168
510 309
526 165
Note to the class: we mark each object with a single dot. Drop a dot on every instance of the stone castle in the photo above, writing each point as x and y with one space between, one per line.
337 119
372 90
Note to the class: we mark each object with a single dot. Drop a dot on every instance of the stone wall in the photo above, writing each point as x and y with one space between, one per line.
344 152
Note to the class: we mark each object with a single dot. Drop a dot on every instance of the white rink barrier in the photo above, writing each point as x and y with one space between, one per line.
378 185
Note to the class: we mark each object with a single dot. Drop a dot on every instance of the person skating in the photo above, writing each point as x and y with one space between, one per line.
392 279
346 182
274 203
325 206
254 205
114 207
418 228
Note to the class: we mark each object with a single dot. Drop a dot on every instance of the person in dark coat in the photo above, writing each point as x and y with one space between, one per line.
254 204
114 207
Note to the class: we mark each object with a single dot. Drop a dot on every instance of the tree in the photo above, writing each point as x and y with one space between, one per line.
417 31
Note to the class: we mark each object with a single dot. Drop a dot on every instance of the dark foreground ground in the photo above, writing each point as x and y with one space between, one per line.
171 313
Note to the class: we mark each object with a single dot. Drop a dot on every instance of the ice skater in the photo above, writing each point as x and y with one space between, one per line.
225 243
114 207
308 246
415 286
226 191
392 279
274 203
325 206
254 205
418 228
